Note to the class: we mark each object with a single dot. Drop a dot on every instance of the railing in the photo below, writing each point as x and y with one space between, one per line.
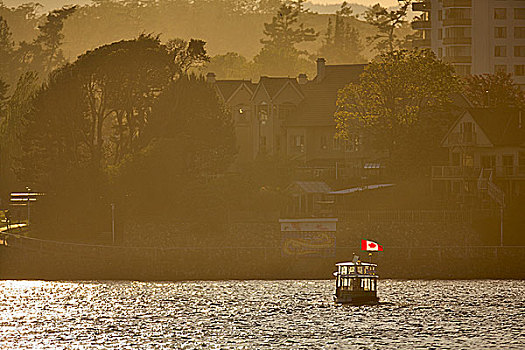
504 172
421 24
410 216
457 22
457 3
456 41
455 172
422 6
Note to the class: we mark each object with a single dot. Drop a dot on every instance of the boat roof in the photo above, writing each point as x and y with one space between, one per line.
355 264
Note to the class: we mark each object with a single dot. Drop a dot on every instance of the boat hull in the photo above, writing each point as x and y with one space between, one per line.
358 298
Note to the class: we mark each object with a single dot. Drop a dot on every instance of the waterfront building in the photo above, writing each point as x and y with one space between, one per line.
294 118
475 36
484 145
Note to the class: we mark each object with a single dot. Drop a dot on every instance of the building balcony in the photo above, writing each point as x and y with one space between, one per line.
466 172
457 3
422 6
421 24
422 43
457 41
457 59
450 22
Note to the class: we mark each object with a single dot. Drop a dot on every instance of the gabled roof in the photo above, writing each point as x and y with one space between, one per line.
228 87
318 107
501 125
274 85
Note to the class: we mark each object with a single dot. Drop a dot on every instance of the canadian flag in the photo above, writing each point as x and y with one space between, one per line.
371 246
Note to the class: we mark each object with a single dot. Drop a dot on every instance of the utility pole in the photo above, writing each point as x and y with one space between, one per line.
113 222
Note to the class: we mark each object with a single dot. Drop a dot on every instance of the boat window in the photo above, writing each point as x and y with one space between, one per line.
352 269
360 270
343 270
373 285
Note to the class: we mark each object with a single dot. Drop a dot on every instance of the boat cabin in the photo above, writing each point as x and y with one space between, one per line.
356 283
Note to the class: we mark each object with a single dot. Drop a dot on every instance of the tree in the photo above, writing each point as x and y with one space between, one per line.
231 65
12 111
386 23
342 43
44 54
6 51
279 55
187 54
398 105
493 90
190 136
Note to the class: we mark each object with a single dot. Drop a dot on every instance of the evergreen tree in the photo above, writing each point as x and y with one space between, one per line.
342 43
279 55
386 23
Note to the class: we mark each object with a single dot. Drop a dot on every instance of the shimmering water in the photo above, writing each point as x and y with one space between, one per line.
259 315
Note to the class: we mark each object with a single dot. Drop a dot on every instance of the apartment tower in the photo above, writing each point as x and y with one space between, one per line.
475 36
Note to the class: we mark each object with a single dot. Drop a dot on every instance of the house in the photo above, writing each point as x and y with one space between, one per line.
484 144
294 118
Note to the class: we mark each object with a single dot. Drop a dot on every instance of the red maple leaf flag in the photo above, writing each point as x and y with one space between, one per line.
371 246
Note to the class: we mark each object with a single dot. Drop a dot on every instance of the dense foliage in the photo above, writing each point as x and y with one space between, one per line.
398 105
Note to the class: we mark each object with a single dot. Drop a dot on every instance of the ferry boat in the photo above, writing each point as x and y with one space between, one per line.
356 283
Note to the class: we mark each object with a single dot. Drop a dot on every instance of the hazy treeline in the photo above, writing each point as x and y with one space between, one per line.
230 27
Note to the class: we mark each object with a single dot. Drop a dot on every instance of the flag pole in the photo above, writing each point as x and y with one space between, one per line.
370 254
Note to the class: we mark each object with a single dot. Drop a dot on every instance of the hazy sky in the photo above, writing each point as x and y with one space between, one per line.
53 3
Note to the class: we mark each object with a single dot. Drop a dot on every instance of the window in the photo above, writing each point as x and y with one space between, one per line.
500 13
519 13
500 68
500 51
519 51
462 69
440 34
262 144
337 144
508 164
500 32
458 13
458 51
519 32
440 15
488 162
324 144
298 143
458 32
519 70
467 131
263 113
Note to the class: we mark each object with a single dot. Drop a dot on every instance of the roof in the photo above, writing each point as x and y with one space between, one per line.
501 125
319 105
273 85
228 87
312 186
361 189
353 263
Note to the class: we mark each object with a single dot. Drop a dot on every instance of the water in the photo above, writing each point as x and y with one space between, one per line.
259 315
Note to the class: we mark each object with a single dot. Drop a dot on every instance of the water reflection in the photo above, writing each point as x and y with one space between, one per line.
259 314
